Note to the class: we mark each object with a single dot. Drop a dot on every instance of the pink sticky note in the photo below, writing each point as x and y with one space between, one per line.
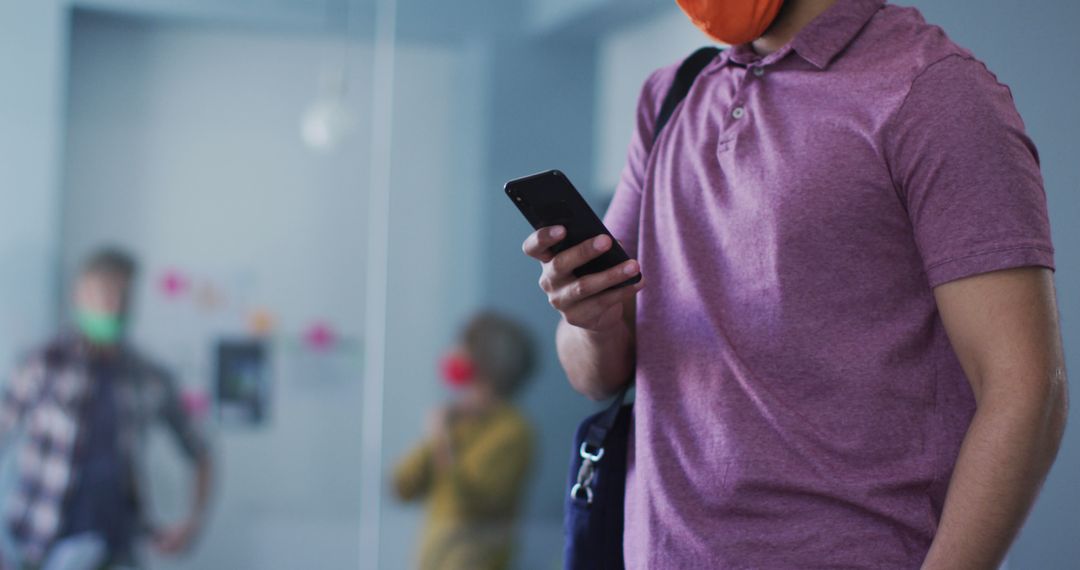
195 403
320 336
173 283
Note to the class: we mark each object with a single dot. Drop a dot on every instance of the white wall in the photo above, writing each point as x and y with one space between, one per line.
625 58
545 15
183 146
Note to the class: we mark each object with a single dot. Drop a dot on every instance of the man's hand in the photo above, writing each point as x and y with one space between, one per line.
179 538
438 422
584 302
595 339
176 539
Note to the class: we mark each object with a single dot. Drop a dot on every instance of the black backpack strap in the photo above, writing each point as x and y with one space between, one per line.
684 78
593 433
593 443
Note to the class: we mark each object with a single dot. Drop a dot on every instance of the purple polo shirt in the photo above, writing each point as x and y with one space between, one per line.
798 402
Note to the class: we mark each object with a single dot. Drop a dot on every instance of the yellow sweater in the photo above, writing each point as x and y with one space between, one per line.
472 503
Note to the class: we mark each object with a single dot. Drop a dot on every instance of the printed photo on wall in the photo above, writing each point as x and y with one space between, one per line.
243 382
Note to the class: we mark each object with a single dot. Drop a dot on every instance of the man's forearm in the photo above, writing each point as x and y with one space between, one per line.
597 363
204 476
1005 456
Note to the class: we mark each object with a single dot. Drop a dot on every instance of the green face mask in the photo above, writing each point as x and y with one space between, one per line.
99 328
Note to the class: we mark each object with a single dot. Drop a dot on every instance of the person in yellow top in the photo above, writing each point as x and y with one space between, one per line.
472 467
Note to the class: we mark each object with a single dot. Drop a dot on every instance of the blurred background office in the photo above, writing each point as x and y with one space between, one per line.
313 190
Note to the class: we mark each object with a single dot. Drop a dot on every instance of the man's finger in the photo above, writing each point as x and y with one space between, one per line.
585 313
582 253
538 244
590 285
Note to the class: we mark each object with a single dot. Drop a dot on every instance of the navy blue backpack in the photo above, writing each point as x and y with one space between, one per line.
593 515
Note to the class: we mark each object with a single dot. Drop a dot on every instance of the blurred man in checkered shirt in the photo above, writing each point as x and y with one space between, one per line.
85 402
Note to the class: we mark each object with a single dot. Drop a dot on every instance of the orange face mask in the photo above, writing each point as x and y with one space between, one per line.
732 22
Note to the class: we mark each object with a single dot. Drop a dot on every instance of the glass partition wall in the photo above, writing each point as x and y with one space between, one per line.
229 150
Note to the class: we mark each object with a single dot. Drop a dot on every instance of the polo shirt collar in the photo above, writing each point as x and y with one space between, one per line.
822 39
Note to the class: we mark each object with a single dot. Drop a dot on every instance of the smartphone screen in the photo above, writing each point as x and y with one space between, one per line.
549 199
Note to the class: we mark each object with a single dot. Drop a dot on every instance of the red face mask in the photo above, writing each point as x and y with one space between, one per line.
457 370
732 22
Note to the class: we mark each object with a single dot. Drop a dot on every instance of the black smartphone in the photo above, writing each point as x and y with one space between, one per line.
549 199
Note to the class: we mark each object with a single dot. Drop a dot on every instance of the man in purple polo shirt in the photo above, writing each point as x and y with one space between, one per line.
846 342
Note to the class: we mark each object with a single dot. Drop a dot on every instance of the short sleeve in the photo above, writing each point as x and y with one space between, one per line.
623 214
968 174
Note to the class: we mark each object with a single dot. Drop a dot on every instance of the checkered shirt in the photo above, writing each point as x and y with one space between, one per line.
43 399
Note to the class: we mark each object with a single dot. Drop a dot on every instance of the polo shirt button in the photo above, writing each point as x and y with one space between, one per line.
738 112
759 71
